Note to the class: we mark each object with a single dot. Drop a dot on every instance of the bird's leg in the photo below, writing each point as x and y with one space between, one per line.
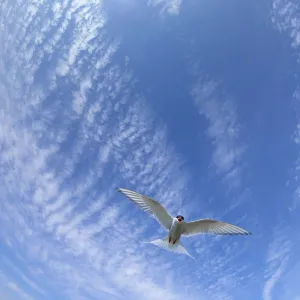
169 239
174 242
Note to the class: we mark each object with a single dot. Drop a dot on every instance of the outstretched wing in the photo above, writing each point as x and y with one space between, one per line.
151 206
209 226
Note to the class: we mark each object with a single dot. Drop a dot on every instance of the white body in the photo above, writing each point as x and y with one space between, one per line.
176 230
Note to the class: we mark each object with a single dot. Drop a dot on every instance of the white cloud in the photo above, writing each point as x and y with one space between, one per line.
167 6
223 130
14 287
80 97
277 259
23 278
285 16
64 153
296 139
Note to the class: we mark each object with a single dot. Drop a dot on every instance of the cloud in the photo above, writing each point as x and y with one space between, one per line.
14 287
294 182
171 7
74 128
277 258
223 130
22 278
285 18
66 146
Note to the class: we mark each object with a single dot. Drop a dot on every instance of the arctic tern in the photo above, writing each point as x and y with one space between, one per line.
177 227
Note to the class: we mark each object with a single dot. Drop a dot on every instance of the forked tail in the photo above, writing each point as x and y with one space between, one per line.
177 247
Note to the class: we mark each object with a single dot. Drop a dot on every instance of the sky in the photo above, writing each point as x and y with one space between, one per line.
194 103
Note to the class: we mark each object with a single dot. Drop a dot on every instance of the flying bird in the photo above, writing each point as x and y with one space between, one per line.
177 227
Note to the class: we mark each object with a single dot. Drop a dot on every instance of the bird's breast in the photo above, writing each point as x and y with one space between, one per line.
176 230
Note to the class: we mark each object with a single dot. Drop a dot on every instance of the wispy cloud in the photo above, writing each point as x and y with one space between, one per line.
276 262
223 129
296 139
14 287
72 129
285 17
8 264
167 6
72 139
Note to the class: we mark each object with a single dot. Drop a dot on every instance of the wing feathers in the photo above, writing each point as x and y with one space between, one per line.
149 205
210 226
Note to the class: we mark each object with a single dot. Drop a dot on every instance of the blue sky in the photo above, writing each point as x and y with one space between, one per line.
195 103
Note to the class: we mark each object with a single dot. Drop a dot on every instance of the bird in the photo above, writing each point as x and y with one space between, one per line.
176 226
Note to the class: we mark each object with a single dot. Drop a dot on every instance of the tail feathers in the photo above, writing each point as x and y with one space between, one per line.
177 247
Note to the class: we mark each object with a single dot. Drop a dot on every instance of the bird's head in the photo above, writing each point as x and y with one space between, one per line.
180 218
